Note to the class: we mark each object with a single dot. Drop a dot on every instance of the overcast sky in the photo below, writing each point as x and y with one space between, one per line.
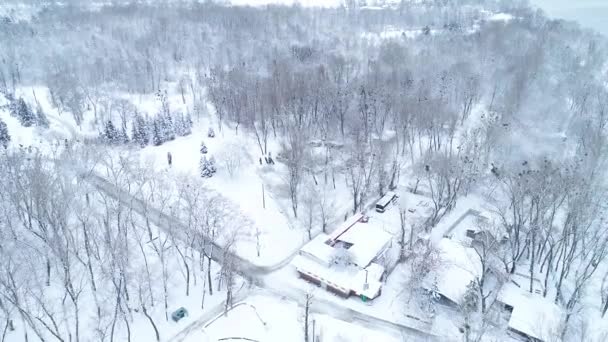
590 13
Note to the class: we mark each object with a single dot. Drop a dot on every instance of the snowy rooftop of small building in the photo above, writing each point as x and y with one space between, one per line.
346 225
367 240
535 316
319 249
459 266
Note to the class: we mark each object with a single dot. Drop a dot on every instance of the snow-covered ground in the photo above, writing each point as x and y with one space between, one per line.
264 318
49 140
257 190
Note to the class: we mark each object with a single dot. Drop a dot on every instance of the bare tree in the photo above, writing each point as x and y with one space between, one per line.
604 294
308 300
293 148
486 245
360 167
231 157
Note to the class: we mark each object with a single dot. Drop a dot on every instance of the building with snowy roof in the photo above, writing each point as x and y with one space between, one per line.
349 261
459 266
532 316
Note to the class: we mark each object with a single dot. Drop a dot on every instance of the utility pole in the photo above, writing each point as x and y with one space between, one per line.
263 197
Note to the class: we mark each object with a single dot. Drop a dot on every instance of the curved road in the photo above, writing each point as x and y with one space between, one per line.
253 273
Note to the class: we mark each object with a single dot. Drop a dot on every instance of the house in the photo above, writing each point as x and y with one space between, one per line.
531 316
458 267
348 262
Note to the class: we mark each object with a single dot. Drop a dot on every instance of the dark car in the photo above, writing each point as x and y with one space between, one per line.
179 314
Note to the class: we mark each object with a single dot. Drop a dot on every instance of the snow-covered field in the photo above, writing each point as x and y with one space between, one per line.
264 318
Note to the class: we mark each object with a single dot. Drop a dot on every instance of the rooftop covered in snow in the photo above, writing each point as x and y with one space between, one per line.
357 243
533 315
367 241
459 266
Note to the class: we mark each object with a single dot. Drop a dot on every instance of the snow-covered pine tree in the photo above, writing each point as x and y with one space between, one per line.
41 119
135 133
470 300
24 113
168 127
189 124
203 148
212 166
139 131
186 125
157 138
110 133
178 127
145 130
12 104
211 133
204 168
5 137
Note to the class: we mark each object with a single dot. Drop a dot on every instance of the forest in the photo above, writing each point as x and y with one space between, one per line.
440 95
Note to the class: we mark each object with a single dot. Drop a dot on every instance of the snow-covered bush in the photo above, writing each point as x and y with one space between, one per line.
206 167
5 137
212 166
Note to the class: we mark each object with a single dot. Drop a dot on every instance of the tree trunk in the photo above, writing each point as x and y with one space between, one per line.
209 276
532 261
306 310
48 272
145 311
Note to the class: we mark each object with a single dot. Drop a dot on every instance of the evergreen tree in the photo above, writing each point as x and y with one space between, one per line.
178 127
212 167
205 168
12 104
139 131
189 124
41 119
211 133
203 148
181 126
156 134
5 138
470 300
135 134
168 127
111 134
186 123
24 113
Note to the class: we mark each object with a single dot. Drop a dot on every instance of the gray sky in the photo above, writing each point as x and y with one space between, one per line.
589 13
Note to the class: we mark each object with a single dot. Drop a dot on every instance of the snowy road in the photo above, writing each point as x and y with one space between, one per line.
257 274
162 220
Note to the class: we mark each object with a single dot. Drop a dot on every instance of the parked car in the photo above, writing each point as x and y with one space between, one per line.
179 314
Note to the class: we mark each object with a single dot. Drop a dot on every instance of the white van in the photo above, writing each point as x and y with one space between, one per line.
385 201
